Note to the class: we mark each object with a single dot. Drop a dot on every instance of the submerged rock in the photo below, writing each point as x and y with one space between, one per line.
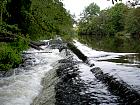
129 95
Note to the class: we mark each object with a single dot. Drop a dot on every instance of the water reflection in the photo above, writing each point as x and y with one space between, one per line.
131 60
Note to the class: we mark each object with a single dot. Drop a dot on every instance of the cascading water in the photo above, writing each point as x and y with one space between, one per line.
127 70
98 93
123 67
76 85
25 84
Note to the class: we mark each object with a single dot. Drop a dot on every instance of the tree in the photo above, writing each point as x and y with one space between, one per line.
88 15
50 18
2 9
117 15
92 10
105 22
132 24
18 11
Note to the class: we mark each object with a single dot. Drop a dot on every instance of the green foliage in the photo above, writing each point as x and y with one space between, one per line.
9 28
18 11
117 16
30 19
132 24
10 54
89 20
19 44
38 18
107 22
90 11
8 57
112 29
2 9
49 18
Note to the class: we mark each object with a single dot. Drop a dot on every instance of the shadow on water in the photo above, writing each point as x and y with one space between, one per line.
131 60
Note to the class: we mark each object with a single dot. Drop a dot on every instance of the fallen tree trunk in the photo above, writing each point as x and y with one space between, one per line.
6 39
79 54
76 51
34 46
38 43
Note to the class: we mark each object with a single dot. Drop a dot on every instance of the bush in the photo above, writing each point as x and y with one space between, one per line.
9 28
20 44
9 58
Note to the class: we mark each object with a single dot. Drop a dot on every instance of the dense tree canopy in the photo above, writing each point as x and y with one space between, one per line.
116 19
29 20
132 24
115 28
36 17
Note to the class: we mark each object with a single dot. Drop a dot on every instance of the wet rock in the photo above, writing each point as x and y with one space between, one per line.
69 87
47 95
6 73
129 95
89 62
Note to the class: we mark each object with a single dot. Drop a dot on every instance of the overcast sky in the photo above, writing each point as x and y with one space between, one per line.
77 6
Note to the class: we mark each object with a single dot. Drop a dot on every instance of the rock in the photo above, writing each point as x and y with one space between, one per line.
118 87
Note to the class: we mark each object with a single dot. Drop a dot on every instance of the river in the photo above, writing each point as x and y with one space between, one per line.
22 87
124 66
25 84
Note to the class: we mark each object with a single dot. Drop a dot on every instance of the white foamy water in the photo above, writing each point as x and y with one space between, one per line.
21 89
97 55
124 71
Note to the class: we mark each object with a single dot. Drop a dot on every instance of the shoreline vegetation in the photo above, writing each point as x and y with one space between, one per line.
32 20
113 29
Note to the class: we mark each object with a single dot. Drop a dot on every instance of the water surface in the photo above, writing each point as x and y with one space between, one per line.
124 66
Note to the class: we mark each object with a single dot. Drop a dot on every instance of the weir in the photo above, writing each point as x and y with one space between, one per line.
61 78
117 86
69 87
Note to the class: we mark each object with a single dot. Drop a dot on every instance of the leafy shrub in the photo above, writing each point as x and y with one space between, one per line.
9 28
20 44
8 57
